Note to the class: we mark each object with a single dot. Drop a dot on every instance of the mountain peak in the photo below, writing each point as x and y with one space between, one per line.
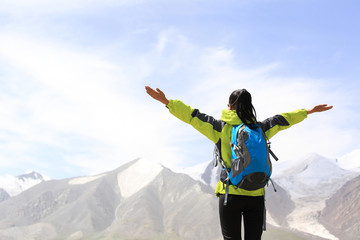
312 165
139 173
15 185
351 161
31 175
306 176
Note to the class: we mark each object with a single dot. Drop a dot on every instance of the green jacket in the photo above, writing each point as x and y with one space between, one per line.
219 132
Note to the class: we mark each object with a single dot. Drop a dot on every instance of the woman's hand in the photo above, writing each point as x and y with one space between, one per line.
319 108
157 95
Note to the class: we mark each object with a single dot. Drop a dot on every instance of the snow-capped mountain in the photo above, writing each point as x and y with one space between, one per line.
204 172
310 182
351 161
316 198
12 186
139 200
306 176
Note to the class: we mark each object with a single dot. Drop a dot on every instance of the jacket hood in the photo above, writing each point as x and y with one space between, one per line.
230 117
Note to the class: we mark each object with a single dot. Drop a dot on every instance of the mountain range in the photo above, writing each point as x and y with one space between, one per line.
316 198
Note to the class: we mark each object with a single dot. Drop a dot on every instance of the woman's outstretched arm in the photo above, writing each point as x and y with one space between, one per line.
205 124
273 125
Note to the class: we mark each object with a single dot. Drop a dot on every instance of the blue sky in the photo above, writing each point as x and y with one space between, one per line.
72 77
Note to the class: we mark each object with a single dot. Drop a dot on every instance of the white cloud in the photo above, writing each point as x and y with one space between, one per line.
81 96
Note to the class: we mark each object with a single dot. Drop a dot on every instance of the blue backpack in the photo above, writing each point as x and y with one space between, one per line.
250 162
251 167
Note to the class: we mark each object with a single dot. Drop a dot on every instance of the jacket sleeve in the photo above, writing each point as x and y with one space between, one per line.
279 122
205 124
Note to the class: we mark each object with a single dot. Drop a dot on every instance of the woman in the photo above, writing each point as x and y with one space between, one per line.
240 202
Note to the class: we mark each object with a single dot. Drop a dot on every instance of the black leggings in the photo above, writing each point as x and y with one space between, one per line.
252 208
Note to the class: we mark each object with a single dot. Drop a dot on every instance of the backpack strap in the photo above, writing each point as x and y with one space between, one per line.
268 144
226 191
226 181
272 183
218 159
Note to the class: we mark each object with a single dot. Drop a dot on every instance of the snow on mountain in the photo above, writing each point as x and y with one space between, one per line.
84 180
310 182
131 180
15 185
306 176
205 172
141 173
196 171
351 161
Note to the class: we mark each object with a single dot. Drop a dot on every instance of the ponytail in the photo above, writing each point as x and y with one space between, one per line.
240 100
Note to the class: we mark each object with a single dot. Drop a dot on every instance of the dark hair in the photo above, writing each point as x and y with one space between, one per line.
240 100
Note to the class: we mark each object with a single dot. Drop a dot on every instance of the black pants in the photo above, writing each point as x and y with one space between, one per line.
252 208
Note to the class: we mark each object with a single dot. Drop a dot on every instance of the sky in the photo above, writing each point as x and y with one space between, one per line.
72 77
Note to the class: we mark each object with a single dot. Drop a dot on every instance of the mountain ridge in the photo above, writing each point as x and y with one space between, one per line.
99 206
160 203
